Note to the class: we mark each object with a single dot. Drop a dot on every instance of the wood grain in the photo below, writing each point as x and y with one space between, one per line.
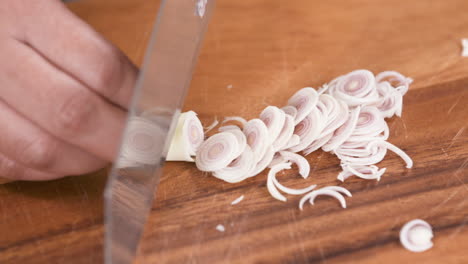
267 49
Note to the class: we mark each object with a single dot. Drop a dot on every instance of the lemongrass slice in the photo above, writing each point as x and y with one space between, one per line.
257 137
356 88
141 144
270 182
217 152
285 135
238 119
291 190
391 102
300 161
464 47
304 101
188 136
308 130
343 132
213 125
377 155
239 169
290 110
317 144
264 162
363 172
312 195
338 189
274 119
220 228
395 149
395 79
332 107
241 139
416 236
293 141
228 127
277 159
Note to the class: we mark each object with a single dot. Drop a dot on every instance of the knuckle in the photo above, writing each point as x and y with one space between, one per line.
76 113
40 153
110 73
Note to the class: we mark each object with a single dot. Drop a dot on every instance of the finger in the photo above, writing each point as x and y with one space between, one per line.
58 103
35 148
12 170
75 47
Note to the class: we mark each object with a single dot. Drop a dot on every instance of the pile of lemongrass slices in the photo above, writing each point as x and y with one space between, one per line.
345 117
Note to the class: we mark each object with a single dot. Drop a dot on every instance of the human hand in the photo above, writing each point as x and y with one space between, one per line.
63 92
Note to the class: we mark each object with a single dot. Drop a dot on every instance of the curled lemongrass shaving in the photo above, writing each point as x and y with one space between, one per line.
277 159
141 144
270 180
264 162
416 236
308 130
300 161
257 137
217 152
338 189
238 169
395 149
238 200
274 119
213 125
343 132
330 192
229 127
395 79
285 135
238 119
304 101
291 190
290 110
391 102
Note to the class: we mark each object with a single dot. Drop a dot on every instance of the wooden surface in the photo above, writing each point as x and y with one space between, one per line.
267 49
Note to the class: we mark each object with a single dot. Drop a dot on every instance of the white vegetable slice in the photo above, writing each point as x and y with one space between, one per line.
220 228
139 145
317 144
257 137
312 195
290 110
300 161
356 88
264 162
304 101
293 141
238 119
395 79
270 182
395 149
238 200
274 119
217 152
285 135
464 47
364 172
187 137
277 159
416 236
229 127
213 125
308 130
238 169
241 139
343 132
291 190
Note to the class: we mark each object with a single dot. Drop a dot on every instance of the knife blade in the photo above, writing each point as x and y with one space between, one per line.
158 97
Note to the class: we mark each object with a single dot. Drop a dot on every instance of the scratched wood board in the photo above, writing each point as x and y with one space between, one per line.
258 53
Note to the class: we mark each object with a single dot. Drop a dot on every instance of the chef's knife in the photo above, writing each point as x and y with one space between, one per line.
156 104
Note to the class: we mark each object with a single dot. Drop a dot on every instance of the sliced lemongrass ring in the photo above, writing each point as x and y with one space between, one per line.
300 161
238 119
241 139
395 149
395 79
238 169
312 195
257 137
293 141
356 88
277 159
343 132
304 101
290 110
228 127
285 135
339 120
217 152
370 122
263 163
318 143
416 236
187 138
274 119
308 130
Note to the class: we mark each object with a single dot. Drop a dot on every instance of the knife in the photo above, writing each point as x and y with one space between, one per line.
156 104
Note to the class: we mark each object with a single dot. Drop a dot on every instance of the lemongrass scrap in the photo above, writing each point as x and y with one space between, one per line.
238 200
416 236
464 47
220 228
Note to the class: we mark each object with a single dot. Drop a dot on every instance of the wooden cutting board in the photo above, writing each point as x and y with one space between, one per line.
266 50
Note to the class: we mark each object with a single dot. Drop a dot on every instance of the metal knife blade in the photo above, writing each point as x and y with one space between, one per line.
156 104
